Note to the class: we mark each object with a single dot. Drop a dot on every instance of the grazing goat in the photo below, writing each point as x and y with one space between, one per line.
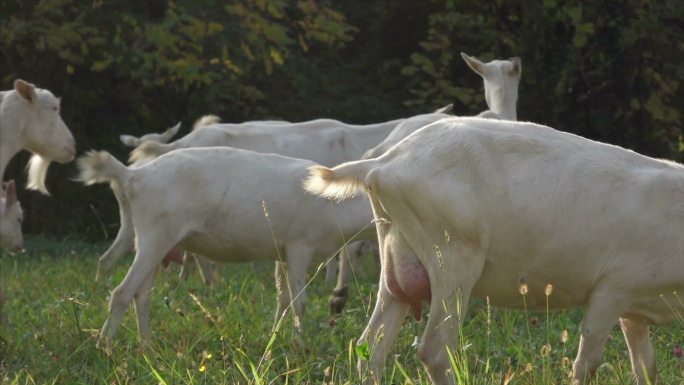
470 206
30 120
236 206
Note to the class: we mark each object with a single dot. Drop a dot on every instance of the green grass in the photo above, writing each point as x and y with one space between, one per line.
55 309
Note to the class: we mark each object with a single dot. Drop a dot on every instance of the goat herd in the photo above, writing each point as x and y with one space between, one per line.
459 206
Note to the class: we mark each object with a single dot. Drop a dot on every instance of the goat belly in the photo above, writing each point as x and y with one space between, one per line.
409 282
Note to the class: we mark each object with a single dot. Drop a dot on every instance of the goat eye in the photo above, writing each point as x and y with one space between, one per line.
54 108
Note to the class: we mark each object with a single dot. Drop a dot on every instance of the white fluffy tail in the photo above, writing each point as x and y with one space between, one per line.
100 167
339 183
206 120
37 171
148 151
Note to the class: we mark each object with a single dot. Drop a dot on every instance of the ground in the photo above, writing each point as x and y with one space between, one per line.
222 335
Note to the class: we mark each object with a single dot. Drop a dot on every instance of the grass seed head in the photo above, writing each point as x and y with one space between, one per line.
564 337
548 290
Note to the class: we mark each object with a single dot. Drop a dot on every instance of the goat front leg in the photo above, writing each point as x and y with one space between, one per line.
600 316
340 293
185 266
206 269
142 308
291 282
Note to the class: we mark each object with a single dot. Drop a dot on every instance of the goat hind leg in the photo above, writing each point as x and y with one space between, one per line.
637 336
124 242
151 251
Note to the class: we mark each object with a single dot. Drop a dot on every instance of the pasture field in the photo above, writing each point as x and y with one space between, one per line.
222 335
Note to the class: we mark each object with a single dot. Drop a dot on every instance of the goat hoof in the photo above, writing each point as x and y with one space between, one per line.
338 299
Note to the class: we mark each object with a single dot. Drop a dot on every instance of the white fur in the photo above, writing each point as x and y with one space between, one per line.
324 141
487 205
11 215
30 120
501 79
215 210
164 137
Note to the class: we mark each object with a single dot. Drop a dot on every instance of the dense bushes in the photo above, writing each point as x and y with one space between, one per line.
608 70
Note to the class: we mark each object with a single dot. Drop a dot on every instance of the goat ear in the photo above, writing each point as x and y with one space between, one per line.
516 70
25 89
445 110
129 140
474 64
173 130
10 193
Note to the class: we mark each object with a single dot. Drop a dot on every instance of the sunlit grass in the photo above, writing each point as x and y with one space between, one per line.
222 335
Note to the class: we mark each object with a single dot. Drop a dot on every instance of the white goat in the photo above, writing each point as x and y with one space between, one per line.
164 137
206 267
11 238
11 216
29 119
323 141
218 192
501 79
470 206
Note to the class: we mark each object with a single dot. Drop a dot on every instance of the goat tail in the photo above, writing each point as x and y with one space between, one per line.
206 120
148 151
37 171
339 183
100 167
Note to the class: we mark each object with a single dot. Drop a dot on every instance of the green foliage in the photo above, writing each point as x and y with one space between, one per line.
607 70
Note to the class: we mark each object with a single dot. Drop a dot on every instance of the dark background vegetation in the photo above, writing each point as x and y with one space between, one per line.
607 70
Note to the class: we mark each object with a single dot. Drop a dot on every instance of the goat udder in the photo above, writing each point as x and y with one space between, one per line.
175 255
409 282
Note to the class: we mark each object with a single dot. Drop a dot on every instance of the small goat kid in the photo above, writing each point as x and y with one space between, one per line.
471 206
219 193
11 215
11 238
30 120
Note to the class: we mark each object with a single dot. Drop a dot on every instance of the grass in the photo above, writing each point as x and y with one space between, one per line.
222 335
